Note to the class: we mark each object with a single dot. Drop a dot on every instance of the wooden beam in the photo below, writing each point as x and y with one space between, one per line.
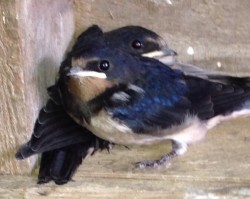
34 36
216 168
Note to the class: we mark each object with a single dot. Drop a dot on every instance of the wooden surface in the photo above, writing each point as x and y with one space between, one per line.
218 167
13 123
218 31
34 36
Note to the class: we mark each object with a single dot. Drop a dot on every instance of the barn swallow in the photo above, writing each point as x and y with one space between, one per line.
133 100
58 143
55 134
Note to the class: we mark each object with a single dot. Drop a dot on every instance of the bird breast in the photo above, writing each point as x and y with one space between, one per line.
87 88
104 126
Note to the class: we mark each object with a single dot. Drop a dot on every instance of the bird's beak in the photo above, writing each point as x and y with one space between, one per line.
160 53
77 72
165 55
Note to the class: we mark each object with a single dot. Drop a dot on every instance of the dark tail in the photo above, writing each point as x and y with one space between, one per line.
61 164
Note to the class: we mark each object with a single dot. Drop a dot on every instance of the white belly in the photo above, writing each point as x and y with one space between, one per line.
102 125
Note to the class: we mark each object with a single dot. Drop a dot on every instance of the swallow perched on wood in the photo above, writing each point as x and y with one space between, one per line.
56 135
62 141
133 100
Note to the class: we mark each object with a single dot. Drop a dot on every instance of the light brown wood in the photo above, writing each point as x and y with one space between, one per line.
218 31
217 168
13 125
34 36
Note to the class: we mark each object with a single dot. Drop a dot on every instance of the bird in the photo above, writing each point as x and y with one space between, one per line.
56 135
129 99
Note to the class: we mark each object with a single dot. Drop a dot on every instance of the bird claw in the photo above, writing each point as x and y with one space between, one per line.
147 164
156 163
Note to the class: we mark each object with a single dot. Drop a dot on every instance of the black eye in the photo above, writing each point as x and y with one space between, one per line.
136 44
104 65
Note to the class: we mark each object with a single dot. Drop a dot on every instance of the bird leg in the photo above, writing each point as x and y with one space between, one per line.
178 148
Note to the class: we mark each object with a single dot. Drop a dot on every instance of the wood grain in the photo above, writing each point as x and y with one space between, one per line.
34 36
217 168
218 31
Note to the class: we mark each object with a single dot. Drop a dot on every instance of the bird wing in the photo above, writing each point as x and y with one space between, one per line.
167 99
54 129
217 94
161 102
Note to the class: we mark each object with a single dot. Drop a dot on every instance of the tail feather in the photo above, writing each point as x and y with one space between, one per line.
61 164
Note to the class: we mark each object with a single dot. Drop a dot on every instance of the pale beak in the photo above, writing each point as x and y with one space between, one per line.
165 55
160 53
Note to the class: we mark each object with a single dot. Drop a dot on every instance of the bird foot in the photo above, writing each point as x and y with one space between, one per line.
156 163
147 164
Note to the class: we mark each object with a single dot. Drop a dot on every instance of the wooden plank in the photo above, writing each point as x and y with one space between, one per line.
219 167
33 38
217 31
13 112
216 168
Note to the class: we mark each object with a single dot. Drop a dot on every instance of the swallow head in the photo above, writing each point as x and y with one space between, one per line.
134 39
141 41
106 59
131 39
99 69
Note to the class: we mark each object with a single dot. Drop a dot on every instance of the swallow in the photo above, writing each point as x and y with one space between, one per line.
56 135
129 99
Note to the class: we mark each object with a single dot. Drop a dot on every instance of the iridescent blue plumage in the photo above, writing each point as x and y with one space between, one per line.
163 89
169 99
146 102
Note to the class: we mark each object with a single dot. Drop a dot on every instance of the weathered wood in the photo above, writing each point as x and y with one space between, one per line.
219 167
218 31
33 38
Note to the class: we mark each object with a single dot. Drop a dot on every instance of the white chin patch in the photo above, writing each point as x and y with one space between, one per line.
88 74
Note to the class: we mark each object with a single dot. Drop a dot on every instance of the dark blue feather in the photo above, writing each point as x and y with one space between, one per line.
163 89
